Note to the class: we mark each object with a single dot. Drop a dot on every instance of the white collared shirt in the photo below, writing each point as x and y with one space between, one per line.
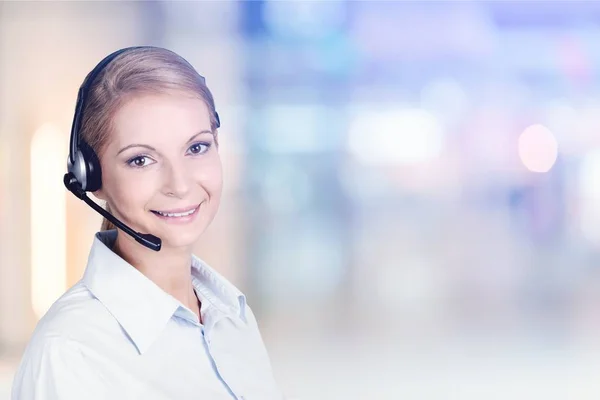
116 335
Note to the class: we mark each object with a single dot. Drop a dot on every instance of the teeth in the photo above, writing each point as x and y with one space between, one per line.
183 214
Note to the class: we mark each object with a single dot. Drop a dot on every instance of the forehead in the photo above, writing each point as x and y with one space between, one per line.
155 118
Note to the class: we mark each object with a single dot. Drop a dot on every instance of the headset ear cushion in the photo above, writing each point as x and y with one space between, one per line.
92 165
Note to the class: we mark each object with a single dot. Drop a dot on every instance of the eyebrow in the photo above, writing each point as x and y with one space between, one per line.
153 149
200 133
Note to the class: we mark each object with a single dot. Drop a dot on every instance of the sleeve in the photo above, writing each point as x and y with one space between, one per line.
56 370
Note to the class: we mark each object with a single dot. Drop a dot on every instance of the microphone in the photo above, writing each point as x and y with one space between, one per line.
147 240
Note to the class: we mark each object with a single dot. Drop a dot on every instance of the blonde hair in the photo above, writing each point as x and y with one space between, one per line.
137 71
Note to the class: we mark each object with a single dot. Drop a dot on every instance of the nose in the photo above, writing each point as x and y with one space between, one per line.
177 180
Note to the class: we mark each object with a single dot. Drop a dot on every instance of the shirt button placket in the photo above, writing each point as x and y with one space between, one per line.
207 340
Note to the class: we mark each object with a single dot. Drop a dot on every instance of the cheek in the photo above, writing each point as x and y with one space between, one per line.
210 177
129 191
136 194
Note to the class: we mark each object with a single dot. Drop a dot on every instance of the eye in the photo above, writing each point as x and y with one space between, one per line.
199 148
139 161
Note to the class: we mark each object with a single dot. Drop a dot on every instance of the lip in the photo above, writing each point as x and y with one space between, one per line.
179 210
179 220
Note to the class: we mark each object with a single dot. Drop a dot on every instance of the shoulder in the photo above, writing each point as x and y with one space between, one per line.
76 318
76 314
56 368
54 355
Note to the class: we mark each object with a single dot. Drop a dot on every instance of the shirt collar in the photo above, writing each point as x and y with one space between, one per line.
217 290
140 306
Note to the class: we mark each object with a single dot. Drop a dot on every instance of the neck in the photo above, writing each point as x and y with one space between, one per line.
169 269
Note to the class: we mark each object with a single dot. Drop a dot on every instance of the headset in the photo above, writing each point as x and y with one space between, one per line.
83 165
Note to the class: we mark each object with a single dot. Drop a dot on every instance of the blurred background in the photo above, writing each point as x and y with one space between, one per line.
412 199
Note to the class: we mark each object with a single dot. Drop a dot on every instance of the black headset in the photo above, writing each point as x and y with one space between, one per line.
83 166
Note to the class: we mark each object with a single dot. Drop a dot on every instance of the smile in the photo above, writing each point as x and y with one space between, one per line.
180 213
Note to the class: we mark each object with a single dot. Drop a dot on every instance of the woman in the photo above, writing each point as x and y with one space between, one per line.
147 322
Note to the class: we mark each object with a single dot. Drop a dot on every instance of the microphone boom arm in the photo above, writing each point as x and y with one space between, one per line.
147 240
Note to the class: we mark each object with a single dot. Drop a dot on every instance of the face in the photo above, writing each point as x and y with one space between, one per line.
161 170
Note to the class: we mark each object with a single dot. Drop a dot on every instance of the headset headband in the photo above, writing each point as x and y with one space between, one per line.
82 95
84 91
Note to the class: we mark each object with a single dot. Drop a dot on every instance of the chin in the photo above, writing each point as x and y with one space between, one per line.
180 239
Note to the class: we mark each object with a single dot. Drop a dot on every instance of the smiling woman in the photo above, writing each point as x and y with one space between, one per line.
147 322
162 159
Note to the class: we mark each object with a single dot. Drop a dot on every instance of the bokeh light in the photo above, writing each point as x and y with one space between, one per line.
48 217
538 148
395 136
